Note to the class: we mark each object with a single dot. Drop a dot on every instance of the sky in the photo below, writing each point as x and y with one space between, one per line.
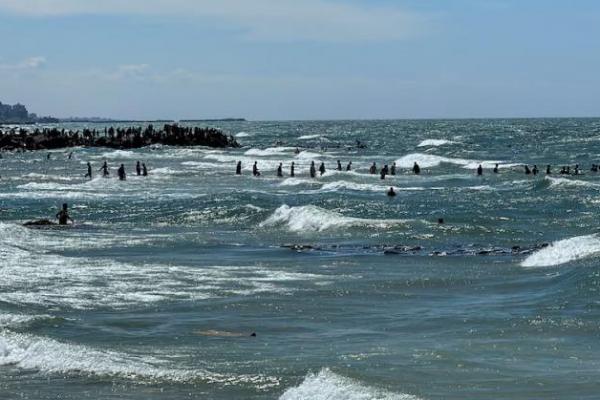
301 59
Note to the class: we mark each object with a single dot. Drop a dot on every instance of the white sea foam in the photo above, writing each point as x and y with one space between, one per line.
312 218
564 251
296 182
53 357
18 320
428 160
308 137
434 142
119 154
327 385
346 185
269 151
243 134
568 182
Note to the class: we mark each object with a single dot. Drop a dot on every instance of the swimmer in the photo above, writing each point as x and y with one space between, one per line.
313 170
416 169
121 173
479 170
89 171
138 168
391 192
496 169
63 215
280 170
322 168
293 170
238 168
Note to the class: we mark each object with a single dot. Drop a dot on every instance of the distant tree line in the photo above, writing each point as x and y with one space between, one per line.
18 114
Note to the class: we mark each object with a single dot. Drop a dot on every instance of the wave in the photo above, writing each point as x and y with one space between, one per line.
53 357
316 219
431 160
566 182
345 185
119 154
296 182
308 137
565 251
13 321
331 386
269 151
32 275
434 142
243 134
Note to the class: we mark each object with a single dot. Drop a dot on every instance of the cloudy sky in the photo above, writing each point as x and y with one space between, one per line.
301 59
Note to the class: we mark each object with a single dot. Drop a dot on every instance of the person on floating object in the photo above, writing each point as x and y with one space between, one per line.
121 173
138 168
479 170
373 169
313 170
496 169
393 169
339 165
293 170
280 171
322 168
144 170
548 169
349 166
255 170
391 192
63 215
535 169
416 169
89 171
527 170
104 169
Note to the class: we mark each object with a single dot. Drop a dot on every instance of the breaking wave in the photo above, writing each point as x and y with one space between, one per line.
316 219
327 385
564 251
434 142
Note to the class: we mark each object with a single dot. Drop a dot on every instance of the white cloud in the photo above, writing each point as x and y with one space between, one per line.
27 64
272 20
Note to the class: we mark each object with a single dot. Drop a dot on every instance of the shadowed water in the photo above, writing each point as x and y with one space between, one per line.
352 295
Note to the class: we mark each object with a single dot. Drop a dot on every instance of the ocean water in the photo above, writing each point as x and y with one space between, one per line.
352 295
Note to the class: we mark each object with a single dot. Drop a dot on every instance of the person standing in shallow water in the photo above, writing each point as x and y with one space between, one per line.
349 166
393 169
339 165
548 170
280 170
144 170
322 168
238 168
104 169
479 170
138 168
255 170
293 170
496 169
313 170
121 173
63 215
416 169
89 171
373 169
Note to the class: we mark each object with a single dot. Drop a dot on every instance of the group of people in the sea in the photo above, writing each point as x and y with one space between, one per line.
140 169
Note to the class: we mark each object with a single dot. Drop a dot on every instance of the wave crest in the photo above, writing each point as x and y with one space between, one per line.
564 251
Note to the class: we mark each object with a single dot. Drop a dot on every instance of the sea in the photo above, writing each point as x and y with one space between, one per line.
157 289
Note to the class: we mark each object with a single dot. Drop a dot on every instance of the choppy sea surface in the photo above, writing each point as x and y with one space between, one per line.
153 294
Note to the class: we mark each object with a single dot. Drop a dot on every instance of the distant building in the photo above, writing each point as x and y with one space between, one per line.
18 114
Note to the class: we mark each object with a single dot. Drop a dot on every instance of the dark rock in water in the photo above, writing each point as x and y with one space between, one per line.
41 222
119 138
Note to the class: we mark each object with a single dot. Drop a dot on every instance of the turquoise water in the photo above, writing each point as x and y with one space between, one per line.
156 290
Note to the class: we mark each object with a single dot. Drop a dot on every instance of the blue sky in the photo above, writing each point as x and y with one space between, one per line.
301 59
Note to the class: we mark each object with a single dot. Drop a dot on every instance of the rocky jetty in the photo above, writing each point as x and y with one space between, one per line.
117 138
